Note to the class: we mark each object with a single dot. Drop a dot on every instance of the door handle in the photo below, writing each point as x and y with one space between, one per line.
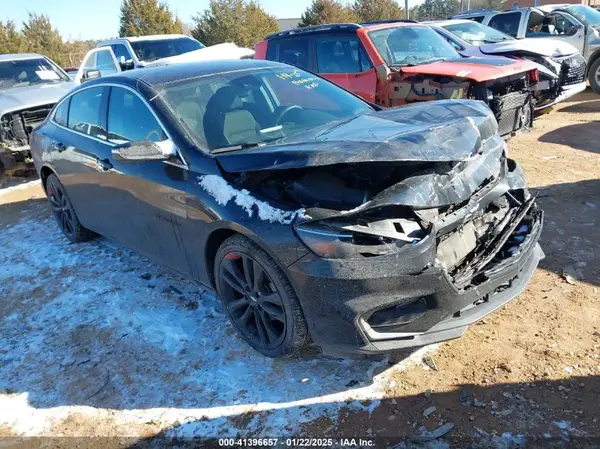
103 164
58 146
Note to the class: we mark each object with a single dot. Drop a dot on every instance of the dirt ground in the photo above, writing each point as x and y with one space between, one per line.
526 376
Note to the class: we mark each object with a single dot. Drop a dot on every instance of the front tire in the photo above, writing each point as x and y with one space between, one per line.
64 212
594 76
259 298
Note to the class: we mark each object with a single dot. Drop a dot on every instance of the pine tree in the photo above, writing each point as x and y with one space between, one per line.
11 41
371 10
40 37
145 17
437 9
240 21
328 11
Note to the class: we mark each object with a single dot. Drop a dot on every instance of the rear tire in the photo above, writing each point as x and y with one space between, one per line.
594 76
64 212
259 299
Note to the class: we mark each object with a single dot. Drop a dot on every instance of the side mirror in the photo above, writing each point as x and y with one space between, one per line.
140 151
125 65
91 74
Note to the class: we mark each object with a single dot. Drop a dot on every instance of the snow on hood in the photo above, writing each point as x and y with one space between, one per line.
227 50
545 47
18 98
441 131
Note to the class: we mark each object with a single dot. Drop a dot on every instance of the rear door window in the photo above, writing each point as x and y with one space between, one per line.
340 54
477 18
290 51
507 23
86 113
130 119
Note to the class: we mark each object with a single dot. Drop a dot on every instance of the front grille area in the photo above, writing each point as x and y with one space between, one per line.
572 69
34 116
512 111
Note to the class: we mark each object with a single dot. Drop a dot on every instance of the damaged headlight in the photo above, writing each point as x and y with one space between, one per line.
334 239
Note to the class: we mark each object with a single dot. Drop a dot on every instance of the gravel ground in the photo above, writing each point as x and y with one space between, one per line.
97 341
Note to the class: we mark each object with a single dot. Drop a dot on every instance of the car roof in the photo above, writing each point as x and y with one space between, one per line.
152 37
166 74
20 56
442 23
550 8
341 28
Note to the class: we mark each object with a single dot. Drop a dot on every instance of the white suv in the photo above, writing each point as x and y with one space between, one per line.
576 24
115 55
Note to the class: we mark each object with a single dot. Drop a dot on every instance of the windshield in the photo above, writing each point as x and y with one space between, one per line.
249 107
411 45
476 33
587 15
28 72
151 50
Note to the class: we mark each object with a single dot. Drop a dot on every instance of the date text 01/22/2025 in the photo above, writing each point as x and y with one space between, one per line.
296 442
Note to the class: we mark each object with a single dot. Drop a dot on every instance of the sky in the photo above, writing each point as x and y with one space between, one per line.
97 19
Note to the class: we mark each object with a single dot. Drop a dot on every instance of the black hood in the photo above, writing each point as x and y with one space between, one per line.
442 131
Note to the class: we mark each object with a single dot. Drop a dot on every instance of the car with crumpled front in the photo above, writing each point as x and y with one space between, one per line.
317 218
30 86
391 63
472 39
575 24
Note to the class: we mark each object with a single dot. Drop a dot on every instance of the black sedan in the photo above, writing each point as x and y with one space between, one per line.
317 218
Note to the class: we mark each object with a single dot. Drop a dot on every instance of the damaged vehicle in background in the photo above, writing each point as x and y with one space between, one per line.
126 53
554 57
317 218
398 62
30 86
575 24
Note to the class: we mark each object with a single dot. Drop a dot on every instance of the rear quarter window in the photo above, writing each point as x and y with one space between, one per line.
61 115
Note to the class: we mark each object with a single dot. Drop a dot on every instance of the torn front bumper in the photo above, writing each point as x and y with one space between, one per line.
341 297
566 93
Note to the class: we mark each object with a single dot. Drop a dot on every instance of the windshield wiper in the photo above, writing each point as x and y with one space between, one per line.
241 146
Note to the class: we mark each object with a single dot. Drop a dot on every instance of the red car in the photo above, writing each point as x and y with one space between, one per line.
396 62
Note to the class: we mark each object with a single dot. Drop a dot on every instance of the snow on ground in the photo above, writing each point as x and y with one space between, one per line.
96 331
22 186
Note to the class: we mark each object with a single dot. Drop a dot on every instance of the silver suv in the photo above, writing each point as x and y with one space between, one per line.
576 24
30 86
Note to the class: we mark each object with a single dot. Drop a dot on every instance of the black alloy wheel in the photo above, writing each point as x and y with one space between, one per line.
64 212
259 298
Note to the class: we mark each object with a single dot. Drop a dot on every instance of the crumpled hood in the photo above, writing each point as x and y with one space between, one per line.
545 47
30 96
227 50
476 69
442 131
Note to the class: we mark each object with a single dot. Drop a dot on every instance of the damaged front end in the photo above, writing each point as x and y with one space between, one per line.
561 77
15 130
511 97
439 200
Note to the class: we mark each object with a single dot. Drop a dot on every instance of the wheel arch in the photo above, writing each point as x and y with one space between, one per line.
593 58
46 171
221 231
